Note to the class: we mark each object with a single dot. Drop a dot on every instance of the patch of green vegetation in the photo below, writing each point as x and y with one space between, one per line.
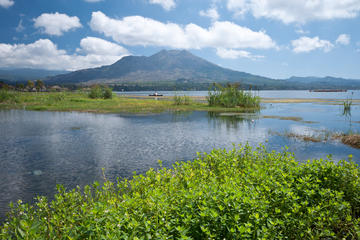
238 194
8 96
98 91
347 107
231 96
182 100
79 101
289 118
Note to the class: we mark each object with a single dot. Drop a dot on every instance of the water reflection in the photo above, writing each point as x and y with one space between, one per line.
233 120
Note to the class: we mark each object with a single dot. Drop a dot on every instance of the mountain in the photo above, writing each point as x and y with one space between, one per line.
163 67
324 82
181 69
25 74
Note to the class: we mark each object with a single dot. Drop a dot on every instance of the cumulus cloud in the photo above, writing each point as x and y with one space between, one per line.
166 4
6 3
234 54
210 13
56 23
137 30
306 44
343 39
295 11
98 46
44 54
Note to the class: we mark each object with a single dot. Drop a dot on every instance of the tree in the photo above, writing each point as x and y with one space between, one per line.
30 84
107 93
39 85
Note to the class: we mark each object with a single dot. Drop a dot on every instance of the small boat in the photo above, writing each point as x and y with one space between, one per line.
155 95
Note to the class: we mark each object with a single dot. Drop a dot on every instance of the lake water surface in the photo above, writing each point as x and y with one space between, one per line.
41 149
354 94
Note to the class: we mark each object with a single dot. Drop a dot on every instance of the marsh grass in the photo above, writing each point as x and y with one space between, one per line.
351 139
347 107
231 96
181 100
289 118
242 193
79 101
8 96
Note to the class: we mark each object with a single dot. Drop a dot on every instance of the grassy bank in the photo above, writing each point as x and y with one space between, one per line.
239 194
77 101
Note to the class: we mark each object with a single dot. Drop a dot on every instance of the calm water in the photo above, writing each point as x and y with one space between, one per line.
354 94
41 149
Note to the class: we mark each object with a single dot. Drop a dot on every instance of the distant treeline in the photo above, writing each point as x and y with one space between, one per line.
193 86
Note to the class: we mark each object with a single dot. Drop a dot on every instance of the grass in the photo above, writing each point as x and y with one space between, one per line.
350 139
230 96
79 101
243 193
347 107
289 118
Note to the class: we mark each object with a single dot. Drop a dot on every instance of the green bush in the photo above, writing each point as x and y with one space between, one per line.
100 92
244 193
107 93
182 100
231 96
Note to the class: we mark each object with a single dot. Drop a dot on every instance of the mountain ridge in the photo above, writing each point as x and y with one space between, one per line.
180 69
164 66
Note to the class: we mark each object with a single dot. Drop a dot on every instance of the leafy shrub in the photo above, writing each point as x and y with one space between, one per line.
237 194
107 93
96 92
100 92
231 96
182 100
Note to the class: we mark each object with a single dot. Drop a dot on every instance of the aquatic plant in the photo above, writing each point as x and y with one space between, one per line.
232 96
243 193
347 107
181 100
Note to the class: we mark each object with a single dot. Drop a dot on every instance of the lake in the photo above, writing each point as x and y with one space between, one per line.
354 94
39 150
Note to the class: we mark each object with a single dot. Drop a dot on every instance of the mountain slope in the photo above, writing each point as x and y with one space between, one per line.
24 74
181 68
165 66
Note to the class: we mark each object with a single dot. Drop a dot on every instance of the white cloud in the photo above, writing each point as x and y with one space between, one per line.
6 3
45 54
98 46
211 13
302 31
306 44
296 11
234 54
166 4
343 39
91 1
20 26
56 23
137 30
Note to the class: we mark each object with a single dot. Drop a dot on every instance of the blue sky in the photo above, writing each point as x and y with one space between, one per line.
273 38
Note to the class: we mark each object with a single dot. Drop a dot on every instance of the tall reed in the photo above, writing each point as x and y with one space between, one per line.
231 96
